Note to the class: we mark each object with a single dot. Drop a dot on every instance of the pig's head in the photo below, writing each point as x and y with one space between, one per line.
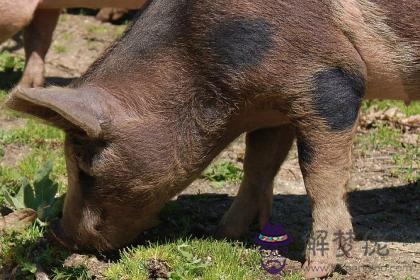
120 167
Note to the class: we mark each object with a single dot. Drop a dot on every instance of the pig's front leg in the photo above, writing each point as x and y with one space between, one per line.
266 149
325 135
37 38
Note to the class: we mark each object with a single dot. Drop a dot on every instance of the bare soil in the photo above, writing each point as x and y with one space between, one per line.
385 209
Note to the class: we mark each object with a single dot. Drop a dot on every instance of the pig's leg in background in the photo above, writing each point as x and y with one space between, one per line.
266 149
111 14
37 38
15 15
56 4
325 138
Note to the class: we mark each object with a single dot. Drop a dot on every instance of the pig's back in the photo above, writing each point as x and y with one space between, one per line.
269 46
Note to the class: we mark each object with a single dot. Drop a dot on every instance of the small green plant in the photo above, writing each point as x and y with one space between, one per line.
97 30
10 62
78 273
193 265
404 156
11 67
190 259
42 196
14 248
222 172
67 36
60 49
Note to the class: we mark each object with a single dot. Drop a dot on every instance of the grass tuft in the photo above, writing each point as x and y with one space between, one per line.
191 259
223 172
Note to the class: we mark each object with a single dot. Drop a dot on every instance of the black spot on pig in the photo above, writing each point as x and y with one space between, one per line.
337 98
305 152
241 42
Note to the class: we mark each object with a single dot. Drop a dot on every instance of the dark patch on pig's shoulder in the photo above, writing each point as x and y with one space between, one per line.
241 42
305 152
337 98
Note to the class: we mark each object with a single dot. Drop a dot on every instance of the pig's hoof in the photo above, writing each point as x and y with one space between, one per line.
111 14
317 269
31 83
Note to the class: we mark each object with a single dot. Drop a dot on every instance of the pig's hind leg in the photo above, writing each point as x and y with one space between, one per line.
325 130
266 149
37 40
15 15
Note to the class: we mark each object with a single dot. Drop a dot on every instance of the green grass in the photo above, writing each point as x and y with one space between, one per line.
10 62
384 137
67 36
39 143
412 109
16 246
121 29
3 96
34 133
409 278
222 172
60 49
11 67
42 143
98 30
27 249
191 259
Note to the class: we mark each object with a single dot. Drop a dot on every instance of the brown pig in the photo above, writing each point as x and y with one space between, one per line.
191 75
38 19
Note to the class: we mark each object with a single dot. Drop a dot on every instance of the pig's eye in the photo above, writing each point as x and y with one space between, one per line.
87 181
87 152
77 142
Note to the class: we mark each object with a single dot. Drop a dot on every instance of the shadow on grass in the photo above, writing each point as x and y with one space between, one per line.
8 79
389 214
379 215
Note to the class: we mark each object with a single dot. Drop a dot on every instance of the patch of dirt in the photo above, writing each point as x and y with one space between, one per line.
158 269
7 122
83 42
17 221
392 116
77 42
13 154
95 267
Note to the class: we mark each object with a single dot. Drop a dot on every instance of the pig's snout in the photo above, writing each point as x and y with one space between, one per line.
79 240
59 236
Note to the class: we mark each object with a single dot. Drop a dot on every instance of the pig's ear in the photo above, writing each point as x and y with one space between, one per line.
65 108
